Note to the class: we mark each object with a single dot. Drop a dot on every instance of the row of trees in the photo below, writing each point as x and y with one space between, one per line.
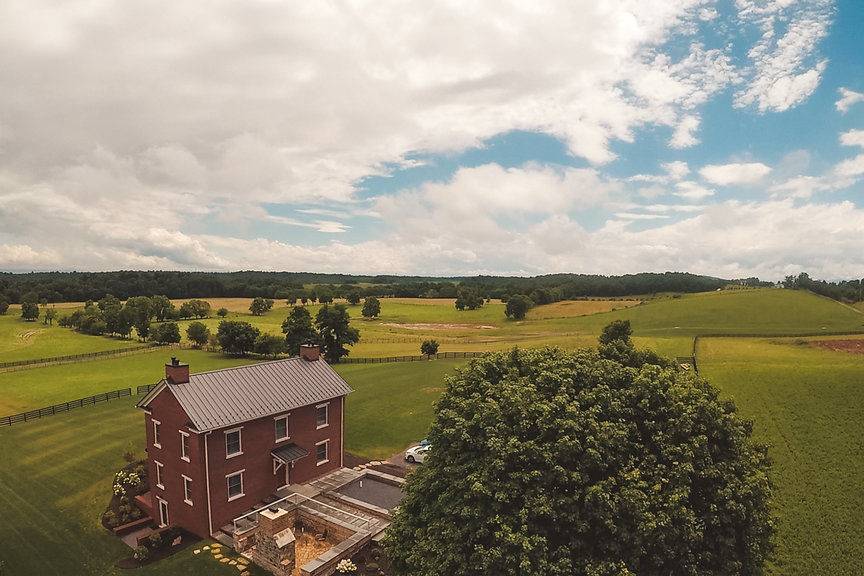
324 288
843 290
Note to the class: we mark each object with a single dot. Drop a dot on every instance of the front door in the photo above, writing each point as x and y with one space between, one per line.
163 513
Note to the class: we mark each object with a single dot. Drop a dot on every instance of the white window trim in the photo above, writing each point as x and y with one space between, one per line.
156 424
326 406
239 431
242 486
159 475
287 418
187 480
327 459
159 502
183 455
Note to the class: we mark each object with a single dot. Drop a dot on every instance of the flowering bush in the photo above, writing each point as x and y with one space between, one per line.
346 567
141 553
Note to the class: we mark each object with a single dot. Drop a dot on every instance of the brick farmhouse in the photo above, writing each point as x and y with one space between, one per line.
220 442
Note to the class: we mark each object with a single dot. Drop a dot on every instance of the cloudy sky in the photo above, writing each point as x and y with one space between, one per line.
716 137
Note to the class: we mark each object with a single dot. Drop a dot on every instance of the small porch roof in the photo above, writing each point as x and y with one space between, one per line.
289 453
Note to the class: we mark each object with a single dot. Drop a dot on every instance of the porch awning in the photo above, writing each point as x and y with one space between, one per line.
289 453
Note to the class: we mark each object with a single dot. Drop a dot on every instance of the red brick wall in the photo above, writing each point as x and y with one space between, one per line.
167 410
258 439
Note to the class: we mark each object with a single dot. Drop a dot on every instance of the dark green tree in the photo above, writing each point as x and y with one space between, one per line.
335 332
222 312
517 306
237 338
167 333
617 330
195 309
298 330
260 306
553 463
142 313
325 294
162 308
371 307
469 299
353 297
429 347
49 315
269 345
29 311
4 306
124 322
198 333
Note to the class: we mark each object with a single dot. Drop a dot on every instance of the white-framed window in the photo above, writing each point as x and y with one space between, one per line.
184 446
159 483
156 425
281 425
322 415
233 443
322 452
187 490
163 512
235 485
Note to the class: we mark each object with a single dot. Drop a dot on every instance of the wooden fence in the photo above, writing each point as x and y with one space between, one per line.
75 357
64 407
417 358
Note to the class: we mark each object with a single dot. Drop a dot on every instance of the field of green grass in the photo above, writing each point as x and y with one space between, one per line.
808 405
21 340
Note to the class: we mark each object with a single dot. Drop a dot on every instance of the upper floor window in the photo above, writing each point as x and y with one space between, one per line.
281 424
233 443
235 485
184 446
322 415
187 490
156 441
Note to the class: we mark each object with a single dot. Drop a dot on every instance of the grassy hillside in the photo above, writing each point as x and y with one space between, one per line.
808 405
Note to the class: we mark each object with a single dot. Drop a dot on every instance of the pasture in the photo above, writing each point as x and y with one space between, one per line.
807 403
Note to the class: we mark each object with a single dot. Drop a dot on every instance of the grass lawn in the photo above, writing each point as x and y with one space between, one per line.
36 387
21 340
55 482
392 404
808 405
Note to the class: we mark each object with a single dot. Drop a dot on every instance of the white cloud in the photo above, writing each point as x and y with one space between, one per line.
734 173
785 70
676 170
848 98
684 135
853 138
692 190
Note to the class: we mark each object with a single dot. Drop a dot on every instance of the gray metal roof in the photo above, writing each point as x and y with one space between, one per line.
289 452
221 398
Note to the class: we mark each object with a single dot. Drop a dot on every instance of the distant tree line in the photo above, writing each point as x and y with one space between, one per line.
323 288
843 290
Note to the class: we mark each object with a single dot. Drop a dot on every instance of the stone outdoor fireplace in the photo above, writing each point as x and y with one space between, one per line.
274 541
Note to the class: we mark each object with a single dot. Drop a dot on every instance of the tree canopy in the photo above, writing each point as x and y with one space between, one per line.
260 306
429 347
237 338
518 306
554 463
371 307
298 329
167 333
198 333
29 311
469 299
334 331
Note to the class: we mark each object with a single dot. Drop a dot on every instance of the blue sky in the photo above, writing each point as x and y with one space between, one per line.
716 137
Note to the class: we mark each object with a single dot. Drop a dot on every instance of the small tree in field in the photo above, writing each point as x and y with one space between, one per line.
198 333
222 312
371 307
335 332
353 297
49 316
237 338
4 306
29 311
429 347
517 306
617 330
260 306
469 299
167 333
554 463
298 330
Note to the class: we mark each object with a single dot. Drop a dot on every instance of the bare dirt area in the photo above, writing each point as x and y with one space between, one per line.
851 346
422 326
308 548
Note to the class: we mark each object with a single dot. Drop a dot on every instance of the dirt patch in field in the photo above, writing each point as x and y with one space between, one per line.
851 346
25 336
422 326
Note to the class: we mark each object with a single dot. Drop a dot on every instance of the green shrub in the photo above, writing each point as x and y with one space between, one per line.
141 553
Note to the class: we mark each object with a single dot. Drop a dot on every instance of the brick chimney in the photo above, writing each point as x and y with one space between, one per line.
310 352
176 372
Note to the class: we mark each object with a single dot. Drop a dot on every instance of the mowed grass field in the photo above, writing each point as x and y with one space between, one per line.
807 403
56 473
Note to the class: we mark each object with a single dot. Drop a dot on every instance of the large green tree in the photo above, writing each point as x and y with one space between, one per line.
4 306
260 306
335 332
469 299
29 311
518 306
371 307
198 333
298 329
237 338
554 463
167 333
